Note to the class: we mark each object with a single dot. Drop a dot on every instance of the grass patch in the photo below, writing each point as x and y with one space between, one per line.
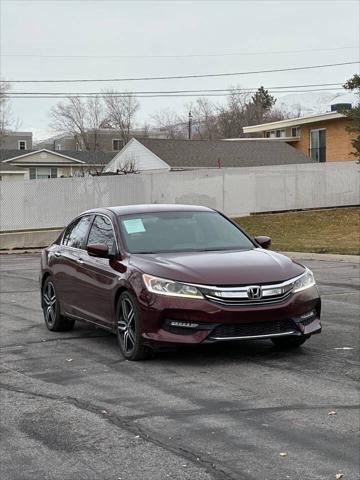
322 231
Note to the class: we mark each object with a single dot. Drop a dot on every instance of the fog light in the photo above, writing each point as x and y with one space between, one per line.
175 323
307 315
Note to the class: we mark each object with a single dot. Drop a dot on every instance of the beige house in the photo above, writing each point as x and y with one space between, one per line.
43 164
11 172
16 141
323 138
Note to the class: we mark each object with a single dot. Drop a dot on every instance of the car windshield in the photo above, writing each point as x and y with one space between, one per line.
181 232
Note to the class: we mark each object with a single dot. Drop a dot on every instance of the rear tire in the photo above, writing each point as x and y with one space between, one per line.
128 329
289 342
51 308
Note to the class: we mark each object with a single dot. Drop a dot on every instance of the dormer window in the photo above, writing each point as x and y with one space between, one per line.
22 144
117 144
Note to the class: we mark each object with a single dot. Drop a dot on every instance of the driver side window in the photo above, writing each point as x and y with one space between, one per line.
102 232
75 234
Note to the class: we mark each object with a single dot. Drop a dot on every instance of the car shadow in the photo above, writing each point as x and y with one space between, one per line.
222 352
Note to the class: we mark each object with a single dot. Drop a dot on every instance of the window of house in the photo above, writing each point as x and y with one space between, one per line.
58 146
272 134
42 172
102 232
280 133
295 131
267 134
75 235
22 144
117 144
318 145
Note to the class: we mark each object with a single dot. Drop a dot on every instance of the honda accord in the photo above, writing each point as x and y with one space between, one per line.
171 275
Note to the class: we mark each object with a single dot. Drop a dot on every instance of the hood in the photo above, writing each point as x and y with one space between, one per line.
246 267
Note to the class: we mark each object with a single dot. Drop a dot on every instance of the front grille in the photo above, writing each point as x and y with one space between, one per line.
246 302
254 329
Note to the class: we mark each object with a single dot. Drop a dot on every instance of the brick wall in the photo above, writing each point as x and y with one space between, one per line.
338 140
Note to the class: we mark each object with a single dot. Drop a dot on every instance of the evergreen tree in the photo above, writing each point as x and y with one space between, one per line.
353 114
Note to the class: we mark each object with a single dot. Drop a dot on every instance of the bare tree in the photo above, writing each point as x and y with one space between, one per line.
7 119
170 123
80 118
233 116
120 112
145 130
128 166
204 118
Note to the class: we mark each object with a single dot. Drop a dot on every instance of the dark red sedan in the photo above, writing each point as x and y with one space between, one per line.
168 275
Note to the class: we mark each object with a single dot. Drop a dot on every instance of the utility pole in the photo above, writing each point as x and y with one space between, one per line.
190 125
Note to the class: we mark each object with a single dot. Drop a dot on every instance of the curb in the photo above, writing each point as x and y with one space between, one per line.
329 257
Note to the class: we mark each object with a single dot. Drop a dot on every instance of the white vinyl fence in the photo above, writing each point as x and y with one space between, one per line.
51 203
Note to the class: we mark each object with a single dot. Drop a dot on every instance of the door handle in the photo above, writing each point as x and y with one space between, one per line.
57 254
80 260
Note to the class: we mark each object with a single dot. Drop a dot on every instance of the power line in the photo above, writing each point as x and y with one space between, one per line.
191 55
181 91
170 95
176 77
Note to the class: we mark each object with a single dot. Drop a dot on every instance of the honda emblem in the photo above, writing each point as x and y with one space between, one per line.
254 292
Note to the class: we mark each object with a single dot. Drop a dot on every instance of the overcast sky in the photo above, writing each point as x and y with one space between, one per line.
145 28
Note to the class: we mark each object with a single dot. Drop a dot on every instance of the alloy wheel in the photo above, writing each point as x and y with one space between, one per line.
126 325
49 298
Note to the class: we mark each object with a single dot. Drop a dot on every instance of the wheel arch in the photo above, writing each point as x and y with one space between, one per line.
44 277
122 288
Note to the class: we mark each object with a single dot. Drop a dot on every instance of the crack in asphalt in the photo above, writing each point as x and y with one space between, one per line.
20 291
255 410
47 340
127 423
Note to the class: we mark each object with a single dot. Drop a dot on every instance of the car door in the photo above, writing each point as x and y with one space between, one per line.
97 277
66 260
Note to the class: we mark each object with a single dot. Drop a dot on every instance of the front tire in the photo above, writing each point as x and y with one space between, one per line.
128 329
289 342
51 308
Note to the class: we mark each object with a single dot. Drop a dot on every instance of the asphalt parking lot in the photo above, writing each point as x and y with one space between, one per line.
73 409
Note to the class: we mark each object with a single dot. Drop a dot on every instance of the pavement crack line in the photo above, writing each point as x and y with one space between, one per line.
47 340
217 471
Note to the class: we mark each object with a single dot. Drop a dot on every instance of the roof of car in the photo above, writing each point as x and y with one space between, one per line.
150 208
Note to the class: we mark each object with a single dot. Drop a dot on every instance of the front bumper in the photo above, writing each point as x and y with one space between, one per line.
176 321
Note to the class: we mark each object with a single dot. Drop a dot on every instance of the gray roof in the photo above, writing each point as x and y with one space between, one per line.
97 157
238 153
7 167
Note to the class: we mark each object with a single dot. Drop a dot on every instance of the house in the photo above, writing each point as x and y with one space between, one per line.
16 141
102 139
323 137
153 155
11 172
40 164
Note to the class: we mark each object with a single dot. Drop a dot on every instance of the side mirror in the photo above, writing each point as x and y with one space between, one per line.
98 250
264 242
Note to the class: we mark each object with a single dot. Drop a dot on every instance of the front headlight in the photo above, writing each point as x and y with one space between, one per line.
161 286
306 280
